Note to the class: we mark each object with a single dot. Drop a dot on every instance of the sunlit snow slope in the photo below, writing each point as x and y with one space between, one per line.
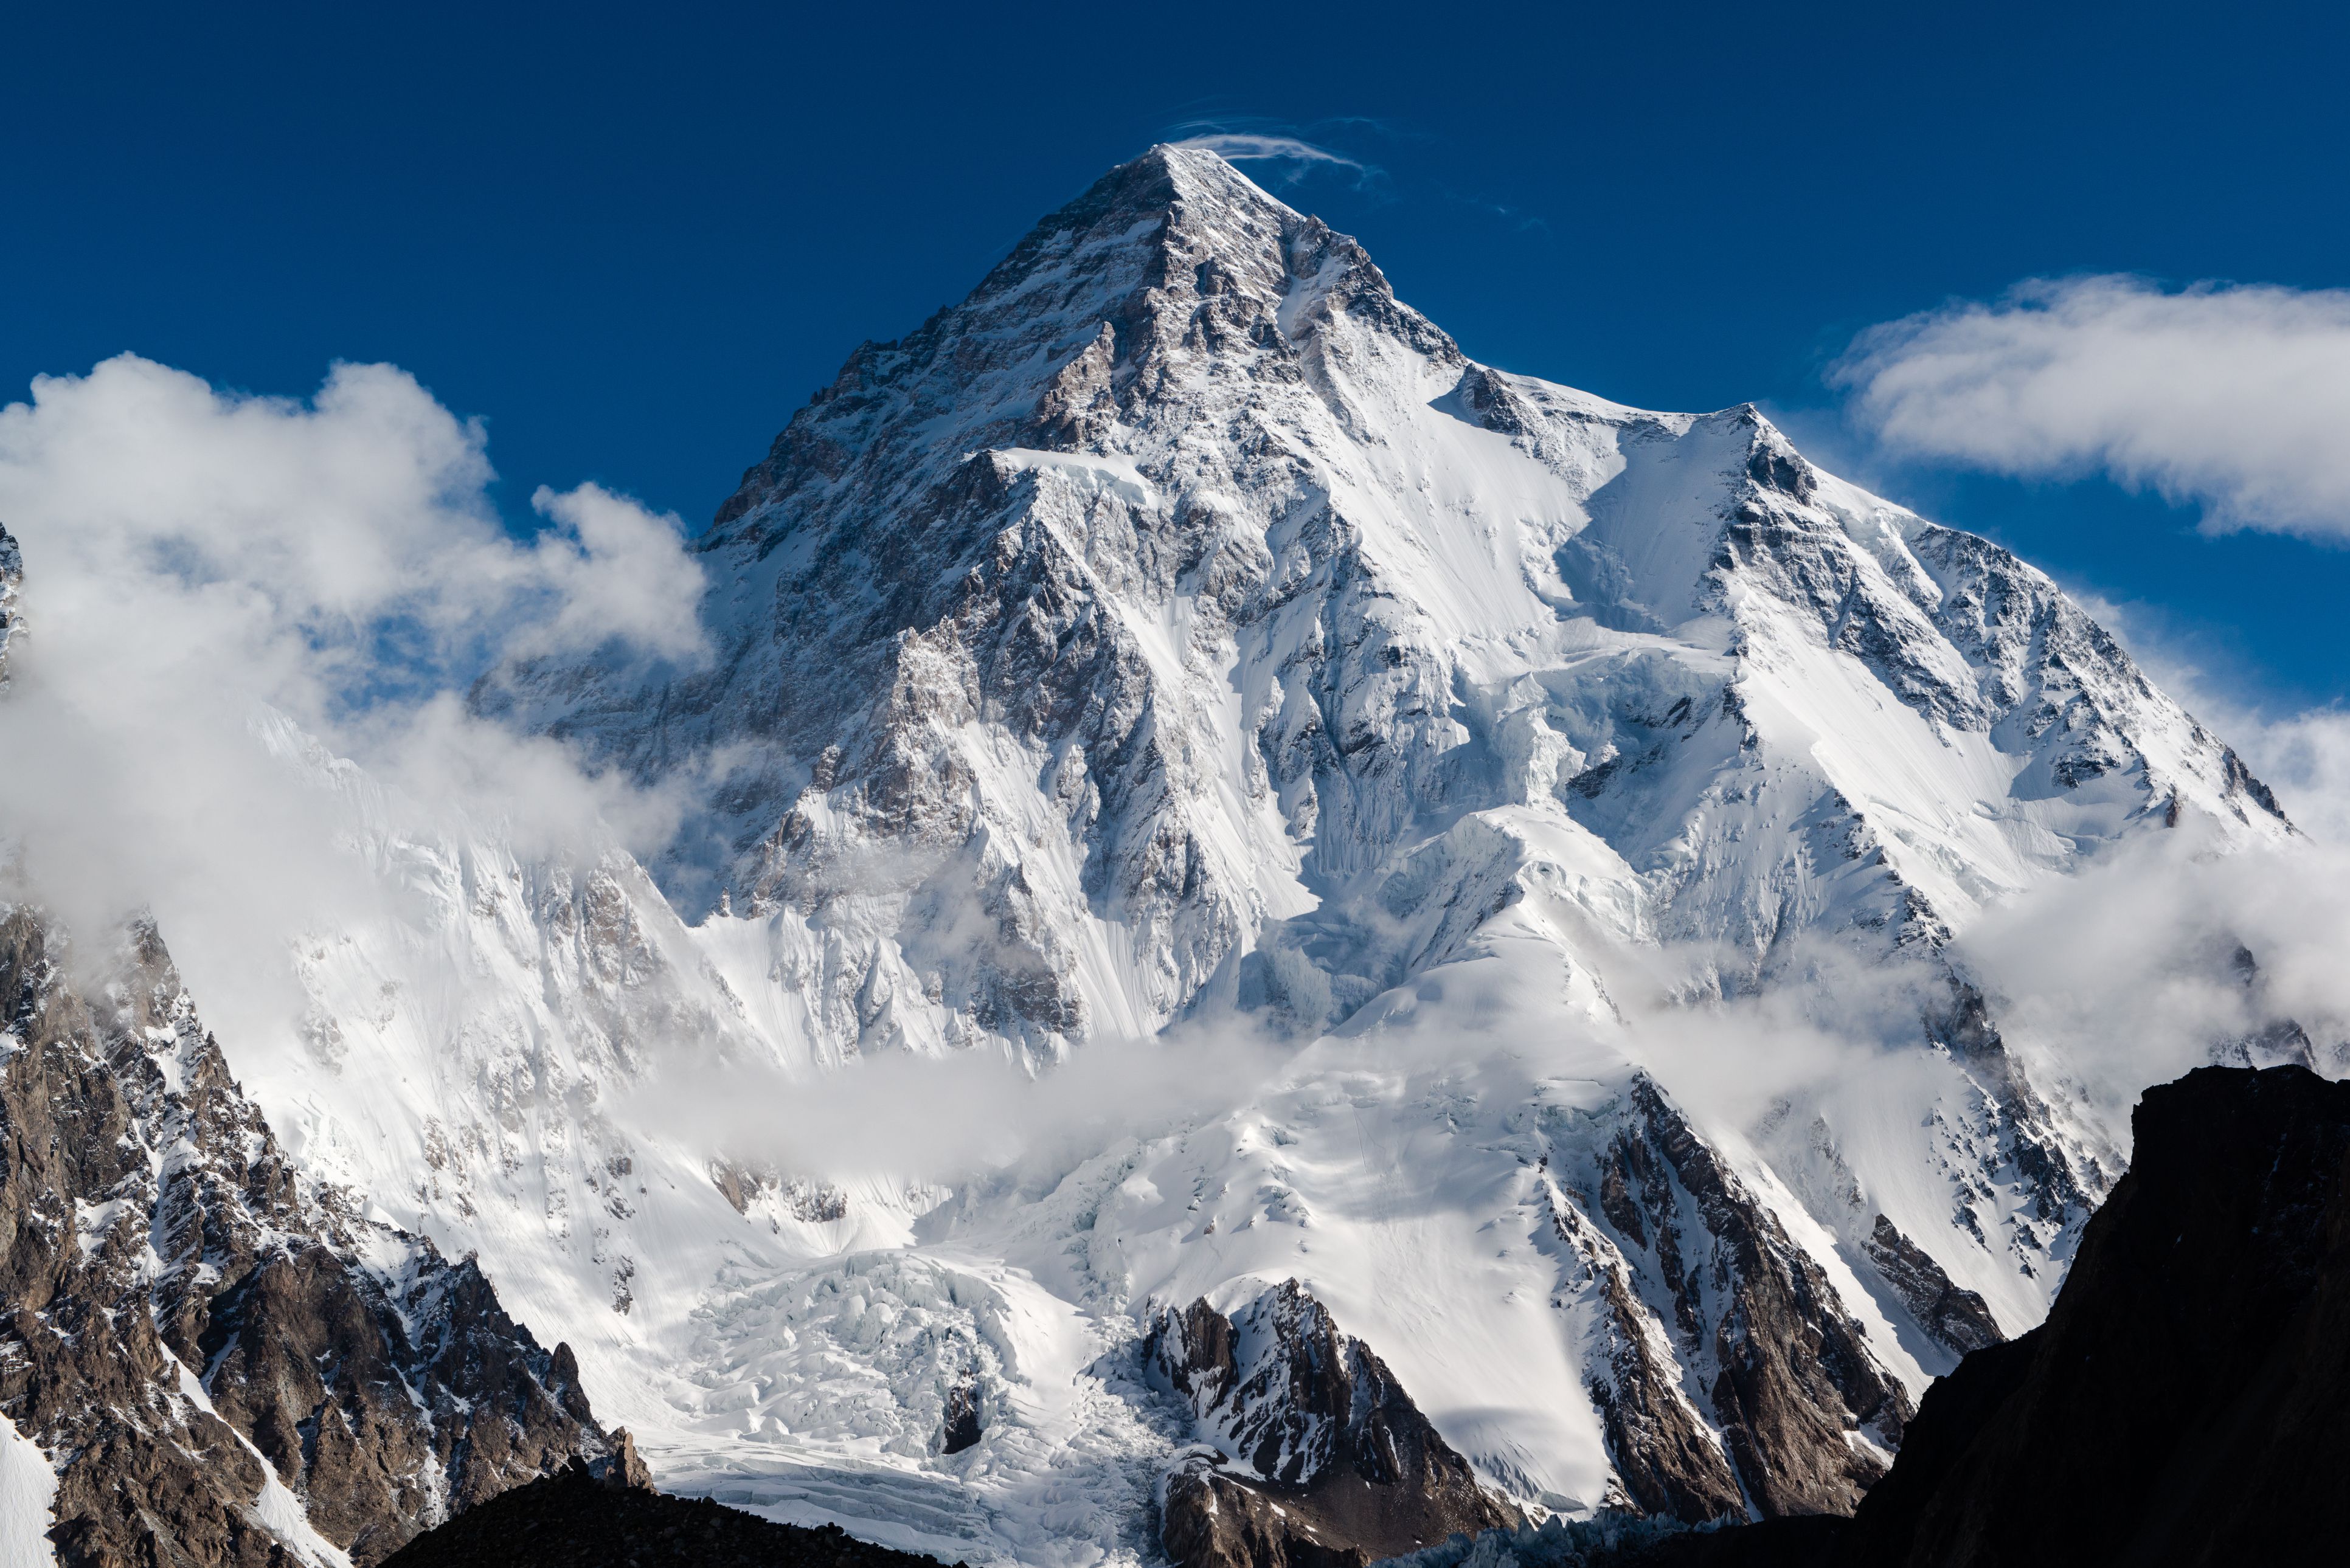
1181 631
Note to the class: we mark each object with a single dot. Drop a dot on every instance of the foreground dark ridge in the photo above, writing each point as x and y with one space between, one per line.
2187 1401
573 1520
2186 1405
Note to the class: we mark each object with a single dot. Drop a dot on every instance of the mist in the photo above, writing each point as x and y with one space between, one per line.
949 1119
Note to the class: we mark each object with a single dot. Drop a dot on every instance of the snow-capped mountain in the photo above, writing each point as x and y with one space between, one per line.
1181 640
1181 582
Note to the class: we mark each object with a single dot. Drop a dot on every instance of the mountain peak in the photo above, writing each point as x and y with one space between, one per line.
1180 627
1169 173
1171 268
1145 201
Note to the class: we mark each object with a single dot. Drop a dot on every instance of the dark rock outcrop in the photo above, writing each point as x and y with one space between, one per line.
2187 1401
188 1325
1803 1407
1669 1462
1959 1319
1321 1459
575 1520
960 1429
1617 1540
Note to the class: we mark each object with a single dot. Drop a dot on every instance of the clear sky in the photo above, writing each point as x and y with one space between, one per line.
634 239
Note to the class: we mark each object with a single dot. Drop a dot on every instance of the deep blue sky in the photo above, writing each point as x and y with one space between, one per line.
635 239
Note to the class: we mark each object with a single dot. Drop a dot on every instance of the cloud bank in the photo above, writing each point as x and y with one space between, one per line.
2306 760
2231 397
202 566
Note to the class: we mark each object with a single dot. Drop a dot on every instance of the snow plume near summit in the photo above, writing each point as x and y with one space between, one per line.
1255 147
2229 396
205 572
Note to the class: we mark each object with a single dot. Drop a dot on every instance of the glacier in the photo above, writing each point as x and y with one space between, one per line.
1425 795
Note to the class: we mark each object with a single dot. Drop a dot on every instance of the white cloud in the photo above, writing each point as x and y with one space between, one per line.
2124 976
2234 396
617 573
195 558
900 1115
2306 760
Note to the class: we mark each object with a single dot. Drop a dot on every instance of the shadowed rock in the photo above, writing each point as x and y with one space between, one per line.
1322 1460
1959 1319
2187 1401
573 1519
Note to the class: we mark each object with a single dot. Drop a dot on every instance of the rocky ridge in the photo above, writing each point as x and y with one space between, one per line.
224 1364
2191 1376
1806 1412
1317 1456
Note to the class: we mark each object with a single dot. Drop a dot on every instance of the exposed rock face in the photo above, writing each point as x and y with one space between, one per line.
227 1365
2187 1400
746 1185
1958 1319
1667 1457
1323 1459
12 617
1806 1410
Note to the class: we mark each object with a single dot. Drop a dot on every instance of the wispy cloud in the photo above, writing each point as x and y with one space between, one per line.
1518 218
1242 148
1243 143
2234 396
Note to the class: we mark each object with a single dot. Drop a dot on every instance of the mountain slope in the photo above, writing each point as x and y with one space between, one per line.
1182 580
